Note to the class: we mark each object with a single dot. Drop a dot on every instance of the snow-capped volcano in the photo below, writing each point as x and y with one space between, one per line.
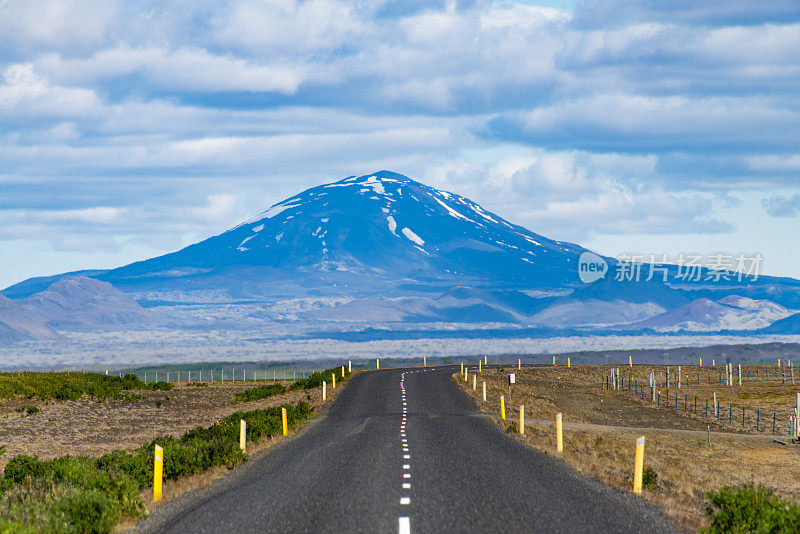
382 224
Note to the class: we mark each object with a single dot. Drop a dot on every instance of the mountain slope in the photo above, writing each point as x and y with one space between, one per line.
384 225
17 323
81 303
729 313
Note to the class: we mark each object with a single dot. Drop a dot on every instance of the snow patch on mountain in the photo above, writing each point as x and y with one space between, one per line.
413 237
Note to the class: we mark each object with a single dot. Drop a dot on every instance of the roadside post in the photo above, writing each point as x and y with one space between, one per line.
242 434
377 363
512 379
349 366
333 380
638 466
424 361
158 472
324 392
484 391
559 434
285 425
519 364
502 408
569 365
630 361
474 382
522 419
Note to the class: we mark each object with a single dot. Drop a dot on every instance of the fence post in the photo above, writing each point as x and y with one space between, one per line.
638 466
158 472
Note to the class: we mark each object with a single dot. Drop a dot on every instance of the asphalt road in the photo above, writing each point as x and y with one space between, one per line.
405 450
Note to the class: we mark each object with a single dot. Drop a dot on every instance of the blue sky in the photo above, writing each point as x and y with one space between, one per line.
132 129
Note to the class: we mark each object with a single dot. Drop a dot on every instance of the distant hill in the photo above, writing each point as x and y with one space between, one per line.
81 303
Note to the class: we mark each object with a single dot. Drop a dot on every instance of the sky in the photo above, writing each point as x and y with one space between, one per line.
132 129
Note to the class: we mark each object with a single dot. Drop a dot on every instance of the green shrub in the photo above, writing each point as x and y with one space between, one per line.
750 509
260 392
511 428
649 478
72 386
316 379
85 511
12 527
30 410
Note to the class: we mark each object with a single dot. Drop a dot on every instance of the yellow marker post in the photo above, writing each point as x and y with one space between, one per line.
333 380
349 366
519 364
559 434
324 391
480 367
630 361
484 391
701 362
554 360
158 472
569 365
522 419
713 363
424 361
343 371
474 382
638 466
377 363
242 434
779 362
462 368
285 424
502 407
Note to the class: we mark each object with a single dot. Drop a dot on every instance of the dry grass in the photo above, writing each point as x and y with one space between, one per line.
599 438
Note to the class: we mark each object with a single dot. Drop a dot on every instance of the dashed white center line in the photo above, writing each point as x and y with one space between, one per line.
405 526
405 500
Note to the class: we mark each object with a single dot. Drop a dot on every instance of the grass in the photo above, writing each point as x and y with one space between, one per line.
73 386
84 494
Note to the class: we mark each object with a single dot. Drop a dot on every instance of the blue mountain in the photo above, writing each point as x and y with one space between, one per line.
382 226
399 250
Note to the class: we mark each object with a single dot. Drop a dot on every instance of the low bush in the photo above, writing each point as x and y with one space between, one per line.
72 386
316 379
750 509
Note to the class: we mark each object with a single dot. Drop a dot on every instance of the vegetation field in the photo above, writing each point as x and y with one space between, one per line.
83 462
601 427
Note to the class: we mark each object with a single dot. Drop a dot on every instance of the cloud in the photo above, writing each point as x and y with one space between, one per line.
782 206
162 123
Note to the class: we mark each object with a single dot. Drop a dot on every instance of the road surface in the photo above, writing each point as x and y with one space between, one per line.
405 450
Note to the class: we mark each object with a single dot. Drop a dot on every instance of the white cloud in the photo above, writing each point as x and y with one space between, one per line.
26 94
